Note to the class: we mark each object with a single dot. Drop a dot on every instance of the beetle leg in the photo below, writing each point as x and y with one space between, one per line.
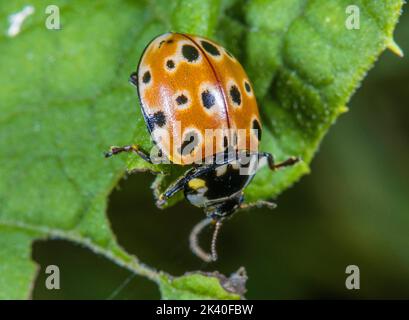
270 160
180 183
258 204
173 188
132 148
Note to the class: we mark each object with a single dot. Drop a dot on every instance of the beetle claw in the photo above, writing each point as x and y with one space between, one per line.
109 153
161 201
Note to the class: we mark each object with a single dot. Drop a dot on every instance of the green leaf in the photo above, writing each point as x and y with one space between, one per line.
311 64
64 98
16 269
201 286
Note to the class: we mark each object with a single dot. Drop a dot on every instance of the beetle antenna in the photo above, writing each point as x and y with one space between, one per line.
214 239
194 240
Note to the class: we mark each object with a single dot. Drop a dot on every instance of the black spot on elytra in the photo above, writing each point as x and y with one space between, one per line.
256 126
190 142
210 48
190 52
146 77
169 41
225 142
182 99
170 64
247 86
208 99
157 119
235 95
156 154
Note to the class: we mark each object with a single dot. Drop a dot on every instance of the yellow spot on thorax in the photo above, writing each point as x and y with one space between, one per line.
196 183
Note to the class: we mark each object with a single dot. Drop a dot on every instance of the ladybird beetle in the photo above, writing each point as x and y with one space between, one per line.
188 85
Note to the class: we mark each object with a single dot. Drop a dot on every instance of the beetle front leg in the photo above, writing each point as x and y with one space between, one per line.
173 188
131 148
286 163
180 184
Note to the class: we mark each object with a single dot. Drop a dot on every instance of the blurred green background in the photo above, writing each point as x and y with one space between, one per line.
352 209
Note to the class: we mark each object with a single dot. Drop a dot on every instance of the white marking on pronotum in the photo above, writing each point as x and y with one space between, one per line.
16 20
